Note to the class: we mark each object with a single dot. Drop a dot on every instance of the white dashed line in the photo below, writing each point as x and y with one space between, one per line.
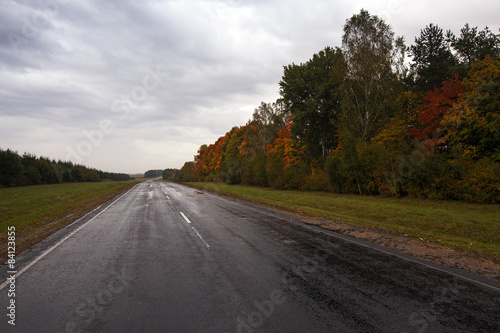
185 218
194 229
206 244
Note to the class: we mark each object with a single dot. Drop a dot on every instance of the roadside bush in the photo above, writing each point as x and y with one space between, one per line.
254 170
482 182
317 181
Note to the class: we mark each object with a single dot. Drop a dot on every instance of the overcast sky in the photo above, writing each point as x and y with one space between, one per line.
128 86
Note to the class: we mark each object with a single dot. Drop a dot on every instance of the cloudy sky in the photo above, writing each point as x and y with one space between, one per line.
128 86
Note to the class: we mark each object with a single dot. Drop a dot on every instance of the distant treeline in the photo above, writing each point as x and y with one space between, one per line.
359 119
28 169
182 175
153 173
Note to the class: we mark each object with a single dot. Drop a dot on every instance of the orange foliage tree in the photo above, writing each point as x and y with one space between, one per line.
439 103
286 159
474 122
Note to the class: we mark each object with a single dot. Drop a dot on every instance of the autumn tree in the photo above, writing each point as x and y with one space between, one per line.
252 157
395 149
370 85
262 129
186 173
251 143
439 103
263 116
201 162
218 161
474 122
231 170
286 160
311 93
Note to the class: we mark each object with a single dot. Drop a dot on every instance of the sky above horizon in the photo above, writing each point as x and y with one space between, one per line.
124 86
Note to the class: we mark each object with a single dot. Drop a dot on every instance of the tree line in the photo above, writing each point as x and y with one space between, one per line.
28 169
360 118
153 173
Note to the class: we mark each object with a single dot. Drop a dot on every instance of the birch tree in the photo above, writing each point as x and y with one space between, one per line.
372 65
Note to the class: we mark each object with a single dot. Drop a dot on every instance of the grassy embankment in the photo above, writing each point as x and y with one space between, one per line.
471 227
38 211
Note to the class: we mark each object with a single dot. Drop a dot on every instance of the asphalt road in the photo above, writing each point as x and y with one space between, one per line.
167 258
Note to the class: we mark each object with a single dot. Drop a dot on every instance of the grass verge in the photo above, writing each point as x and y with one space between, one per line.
38 211
471 227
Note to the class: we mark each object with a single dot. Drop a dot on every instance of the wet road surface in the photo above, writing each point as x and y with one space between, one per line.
167 258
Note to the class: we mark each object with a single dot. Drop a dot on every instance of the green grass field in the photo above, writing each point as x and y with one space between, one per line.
471 227
38 211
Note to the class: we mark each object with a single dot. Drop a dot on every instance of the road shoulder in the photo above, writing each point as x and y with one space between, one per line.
419 248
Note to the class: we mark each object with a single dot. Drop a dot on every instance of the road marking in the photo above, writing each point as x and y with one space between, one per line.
185 218
25 268
196 231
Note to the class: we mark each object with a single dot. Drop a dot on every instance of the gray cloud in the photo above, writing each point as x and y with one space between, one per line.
73 66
